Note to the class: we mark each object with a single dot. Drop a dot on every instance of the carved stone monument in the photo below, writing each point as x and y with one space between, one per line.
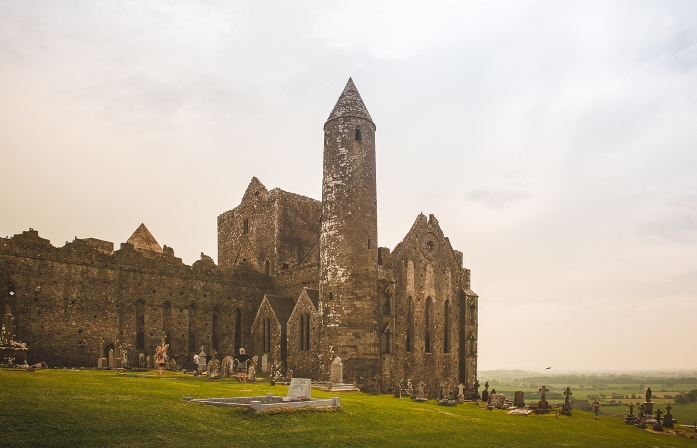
397 391
460 393
566 409
668 421
485 393
519 399
337 372
631 418
265 363
299 388
497 401
648 404
421 392
202 363
226 369
543 405
658 426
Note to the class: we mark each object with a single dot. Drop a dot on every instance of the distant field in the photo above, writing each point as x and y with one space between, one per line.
103 408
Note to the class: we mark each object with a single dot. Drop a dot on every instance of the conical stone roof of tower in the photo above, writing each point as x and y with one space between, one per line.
350 104
142 239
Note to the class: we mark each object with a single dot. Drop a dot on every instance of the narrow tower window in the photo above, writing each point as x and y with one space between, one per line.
358 133
446 328
245 226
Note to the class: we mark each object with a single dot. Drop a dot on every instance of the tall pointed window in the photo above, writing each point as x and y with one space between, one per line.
410 324
429 311
358 133
245 226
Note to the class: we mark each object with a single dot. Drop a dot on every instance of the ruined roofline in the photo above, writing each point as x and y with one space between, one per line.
431 222
81 252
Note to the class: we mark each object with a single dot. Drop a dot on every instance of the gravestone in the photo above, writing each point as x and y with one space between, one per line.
148 362
485 394
631 418
337 375
299 388
543 405
497 401
141 360
461 393
668 418
519 399
202 363
658 426
101 363
648 404
265 363
397 391
226 367
566 409
421 392
112 360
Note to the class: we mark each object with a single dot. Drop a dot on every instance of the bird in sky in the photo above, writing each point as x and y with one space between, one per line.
548 368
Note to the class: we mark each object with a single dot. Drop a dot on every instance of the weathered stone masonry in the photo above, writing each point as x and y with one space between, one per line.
299 280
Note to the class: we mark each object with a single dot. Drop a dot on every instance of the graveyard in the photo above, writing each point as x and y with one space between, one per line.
69 407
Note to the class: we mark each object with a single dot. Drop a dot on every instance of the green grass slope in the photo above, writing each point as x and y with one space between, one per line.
103 408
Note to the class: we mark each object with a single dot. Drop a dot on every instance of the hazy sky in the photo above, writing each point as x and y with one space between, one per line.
556 143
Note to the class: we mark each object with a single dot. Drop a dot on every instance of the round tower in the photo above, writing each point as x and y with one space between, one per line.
348 242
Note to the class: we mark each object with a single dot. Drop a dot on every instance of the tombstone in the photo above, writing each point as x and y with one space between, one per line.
202 363
299 388
519 399
289 374
397 391
112 360
421 392
476 388
658 426
566 409
251 373
124 359
337 373
543 405
172 365
265 363
461 393
102 363
141 360
485 393
214 369
668 418
226 369
497 401
148 362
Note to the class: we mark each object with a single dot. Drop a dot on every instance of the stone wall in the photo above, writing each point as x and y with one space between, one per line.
73 301
270 230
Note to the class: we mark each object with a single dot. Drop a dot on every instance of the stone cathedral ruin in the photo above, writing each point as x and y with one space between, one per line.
301 281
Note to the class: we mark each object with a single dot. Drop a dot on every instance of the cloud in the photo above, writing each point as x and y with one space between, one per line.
496 197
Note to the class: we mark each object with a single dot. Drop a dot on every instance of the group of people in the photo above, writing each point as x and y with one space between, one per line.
241 359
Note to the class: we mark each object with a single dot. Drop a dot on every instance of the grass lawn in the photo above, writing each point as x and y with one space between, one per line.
103 408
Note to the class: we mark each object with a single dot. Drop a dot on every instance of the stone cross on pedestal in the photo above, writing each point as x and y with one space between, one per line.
544 391
668 408
567 394
658 415
631 408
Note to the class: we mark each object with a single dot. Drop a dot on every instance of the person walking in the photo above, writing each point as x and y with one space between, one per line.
596 407
242 359
196 360
160 356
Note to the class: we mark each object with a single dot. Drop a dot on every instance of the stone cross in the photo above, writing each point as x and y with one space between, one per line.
668 408
658 415
544 391
567 394
461 388
631 408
